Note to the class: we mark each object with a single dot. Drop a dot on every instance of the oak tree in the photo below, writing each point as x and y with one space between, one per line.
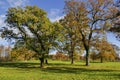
30 25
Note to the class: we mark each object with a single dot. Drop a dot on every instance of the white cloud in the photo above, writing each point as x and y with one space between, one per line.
15 3
56 18
54 15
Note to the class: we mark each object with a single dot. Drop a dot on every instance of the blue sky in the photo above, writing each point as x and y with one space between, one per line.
54 8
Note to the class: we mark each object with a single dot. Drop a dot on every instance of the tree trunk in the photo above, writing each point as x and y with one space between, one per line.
72 52
72 58
46 61
87 57
47 52
101 59
41 62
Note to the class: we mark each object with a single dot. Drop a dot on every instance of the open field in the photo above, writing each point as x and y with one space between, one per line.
59 70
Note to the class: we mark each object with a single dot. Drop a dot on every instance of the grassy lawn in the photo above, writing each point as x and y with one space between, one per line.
59 70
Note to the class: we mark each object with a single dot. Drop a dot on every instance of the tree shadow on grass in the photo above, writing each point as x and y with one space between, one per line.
75 70
19 64
28 64
84 71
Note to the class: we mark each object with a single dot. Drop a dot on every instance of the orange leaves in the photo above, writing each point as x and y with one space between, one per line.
74 23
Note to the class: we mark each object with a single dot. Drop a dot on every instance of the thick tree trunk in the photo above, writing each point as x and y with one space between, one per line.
46 61
41 62
87 57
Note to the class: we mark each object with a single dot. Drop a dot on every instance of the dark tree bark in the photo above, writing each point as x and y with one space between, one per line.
87 58
41 62
46 61
101 59
72 57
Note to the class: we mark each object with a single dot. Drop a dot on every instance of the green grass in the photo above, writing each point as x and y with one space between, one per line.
59 70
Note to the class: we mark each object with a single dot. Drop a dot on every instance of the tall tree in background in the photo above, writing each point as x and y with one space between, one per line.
30 25
88 16
70 36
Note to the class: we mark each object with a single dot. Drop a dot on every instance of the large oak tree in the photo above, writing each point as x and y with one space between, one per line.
31 26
